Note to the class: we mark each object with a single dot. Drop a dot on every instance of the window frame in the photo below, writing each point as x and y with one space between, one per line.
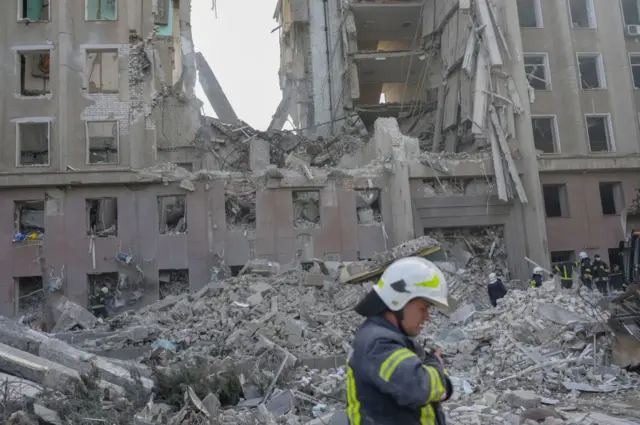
545 64
86 138
617 187
602 77
86 13
32 120
591 10
609 127
555 129
20 19
102 48
631 66
537 6
564 193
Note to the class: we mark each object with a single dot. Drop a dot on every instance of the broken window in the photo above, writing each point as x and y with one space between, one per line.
555 200
29 218
611 198
240 210
101 10
34 10
562 256
631 12
368 207
34 72
530 13
591 71
102 142
109 280
163 9
33 143
537 70
544 134
635 70
102 71
173 282
599 133
172 211
306 208
31 300
102 217
583 15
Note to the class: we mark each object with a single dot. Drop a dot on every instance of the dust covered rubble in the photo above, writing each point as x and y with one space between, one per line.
532 358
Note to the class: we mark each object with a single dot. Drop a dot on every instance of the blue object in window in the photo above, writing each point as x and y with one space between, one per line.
33 10
101 10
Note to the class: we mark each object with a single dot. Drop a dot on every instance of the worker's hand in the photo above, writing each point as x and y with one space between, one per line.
438 354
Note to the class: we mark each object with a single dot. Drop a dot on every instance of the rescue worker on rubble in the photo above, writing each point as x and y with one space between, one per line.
600 272
565 270
390 378
98 303
616 279
496 289
536 278
585 270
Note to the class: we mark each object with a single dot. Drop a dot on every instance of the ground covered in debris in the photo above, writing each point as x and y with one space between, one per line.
269 346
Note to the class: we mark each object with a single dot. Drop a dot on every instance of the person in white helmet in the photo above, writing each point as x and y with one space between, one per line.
390 379
586 275
536 279
496 289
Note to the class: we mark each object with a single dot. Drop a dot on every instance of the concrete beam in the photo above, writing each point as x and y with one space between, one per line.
387 21
588 163
213 91
450 167
390 67
282 112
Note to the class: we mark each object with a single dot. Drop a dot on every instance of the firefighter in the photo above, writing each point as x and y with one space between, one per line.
496 289
616 279
390 378
600 272
536 278
98 303
586 275
565 270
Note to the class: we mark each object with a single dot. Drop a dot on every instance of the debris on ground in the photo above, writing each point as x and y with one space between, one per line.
270 344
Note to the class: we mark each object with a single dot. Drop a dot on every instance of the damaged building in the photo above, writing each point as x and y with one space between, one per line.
473 83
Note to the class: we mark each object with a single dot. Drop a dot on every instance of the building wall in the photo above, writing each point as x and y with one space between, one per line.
66 242
586 228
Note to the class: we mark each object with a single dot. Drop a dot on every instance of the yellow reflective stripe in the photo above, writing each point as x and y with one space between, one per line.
427 415
353 405
433 283
393 361
437 387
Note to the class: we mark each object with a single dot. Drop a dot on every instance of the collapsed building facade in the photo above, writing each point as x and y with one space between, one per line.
439 67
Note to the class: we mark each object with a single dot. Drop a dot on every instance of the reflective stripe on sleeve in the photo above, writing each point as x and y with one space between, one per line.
353 405
427 415
436 385
393 361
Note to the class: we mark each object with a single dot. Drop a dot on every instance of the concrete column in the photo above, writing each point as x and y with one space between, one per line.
533 215
259 154
389 141
64 50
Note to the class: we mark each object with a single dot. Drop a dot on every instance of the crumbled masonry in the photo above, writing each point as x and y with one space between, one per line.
274 339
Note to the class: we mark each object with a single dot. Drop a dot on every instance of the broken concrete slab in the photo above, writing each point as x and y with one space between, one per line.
72 315
522 398
19 387
213 90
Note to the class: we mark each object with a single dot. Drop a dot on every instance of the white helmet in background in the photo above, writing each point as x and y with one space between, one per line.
493 278
583 255
537 270
410 278
105 290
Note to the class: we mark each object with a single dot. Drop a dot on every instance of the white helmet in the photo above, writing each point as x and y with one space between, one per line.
410 278
493 278
583 255
537 270
105 290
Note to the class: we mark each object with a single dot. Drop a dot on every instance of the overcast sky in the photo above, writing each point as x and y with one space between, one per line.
243 54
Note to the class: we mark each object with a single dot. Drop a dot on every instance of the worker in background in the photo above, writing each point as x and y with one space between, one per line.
98 303
564 270
390 378
536 278
600 272
586 275
616 279
496 289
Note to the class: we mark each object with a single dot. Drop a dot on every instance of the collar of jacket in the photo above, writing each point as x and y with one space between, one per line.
382 321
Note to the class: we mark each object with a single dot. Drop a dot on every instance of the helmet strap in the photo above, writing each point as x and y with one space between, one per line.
399 316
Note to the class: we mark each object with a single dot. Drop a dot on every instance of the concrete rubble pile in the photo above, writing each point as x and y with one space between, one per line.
541 355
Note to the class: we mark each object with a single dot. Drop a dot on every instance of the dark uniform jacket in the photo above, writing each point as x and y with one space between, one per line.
600 270
536 281
565 270
496 291
98 300
585 272
388 383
